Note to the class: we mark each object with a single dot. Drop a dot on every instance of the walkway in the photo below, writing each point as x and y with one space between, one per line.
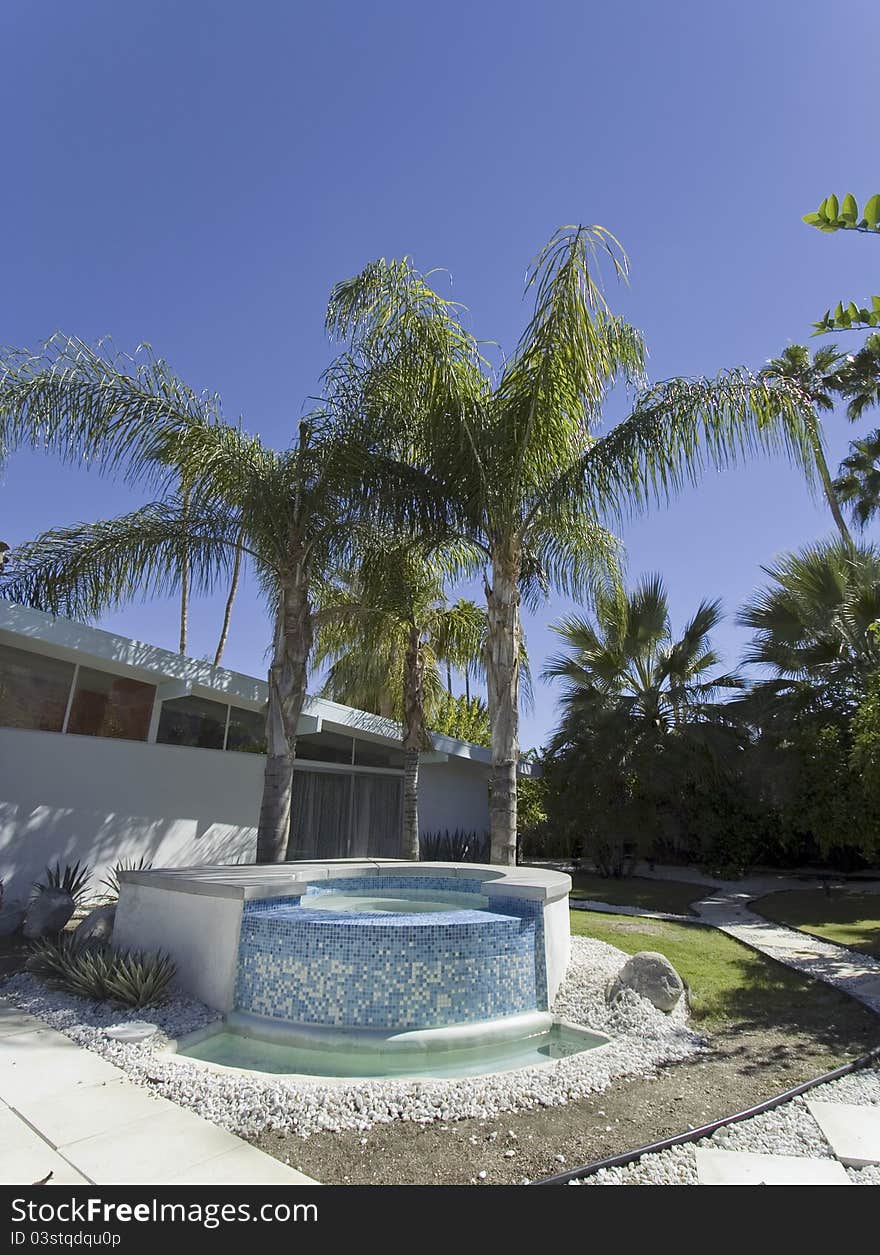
852 1131
726 907
68 1117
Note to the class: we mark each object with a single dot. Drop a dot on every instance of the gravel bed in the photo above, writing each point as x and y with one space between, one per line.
643 1039
786 1130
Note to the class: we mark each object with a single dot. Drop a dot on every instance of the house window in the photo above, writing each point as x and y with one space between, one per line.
371 754
110 705
193 721
34 690
325 747
247 731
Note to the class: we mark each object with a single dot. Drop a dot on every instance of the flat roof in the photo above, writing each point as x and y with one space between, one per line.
25 627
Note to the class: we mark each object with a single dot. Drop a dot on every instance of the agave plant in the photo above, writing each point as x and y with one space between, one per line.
111 880
134 979
49 959
139 979
72 879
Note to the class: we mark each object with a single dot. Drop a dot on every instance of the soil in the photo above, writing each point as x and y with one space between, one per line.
740 1069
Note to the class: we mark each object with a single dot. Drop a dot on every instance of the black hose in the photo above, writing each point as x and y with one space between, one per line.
694 1135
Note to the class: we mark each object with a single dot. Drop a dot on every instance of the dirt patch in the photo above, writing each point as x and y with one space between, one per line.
740 1069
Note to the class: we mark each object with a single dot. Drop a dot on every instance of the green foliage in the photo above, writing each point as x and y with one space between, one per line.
865 754
834 215
111 880
463 719
459 846
71 878
130 979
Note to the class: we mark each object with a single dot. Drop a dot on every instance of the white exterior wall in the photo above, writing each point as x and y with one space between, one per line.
454 794
64 798
67 798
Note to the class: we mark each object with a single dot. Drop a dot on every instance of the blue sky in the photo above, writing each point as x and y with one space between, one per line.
199 175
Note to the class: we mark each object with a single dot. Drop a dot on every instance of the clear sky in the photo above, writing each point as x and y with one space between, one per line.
198 175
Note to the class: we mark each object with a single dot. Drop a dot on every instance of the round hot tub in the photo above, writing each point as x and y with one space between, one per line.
391 952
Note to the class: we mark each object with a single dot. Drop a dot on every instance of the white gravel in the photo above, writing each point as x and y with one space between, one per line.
643 1039
786 1130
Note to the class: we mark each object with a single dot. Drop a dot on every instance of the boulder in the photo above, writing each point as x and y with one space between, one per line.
47 913
97 927
10 919
652 976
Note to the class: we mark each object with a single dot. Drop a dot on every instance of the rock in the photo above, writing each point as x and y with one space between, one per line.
97 927
652 976
132 1031
47 913
10 919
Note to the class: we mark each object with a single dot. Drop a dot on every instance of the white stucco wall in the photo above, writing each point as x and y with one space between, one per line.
98 800
454 794
199 932
64 798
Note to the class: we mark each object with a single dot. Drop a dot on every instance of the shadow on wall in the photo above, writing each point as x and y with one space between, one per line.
33 836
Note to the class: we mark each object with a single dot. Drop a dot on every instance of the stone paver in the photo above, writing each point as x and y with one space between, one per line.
26 1158
853 1132
734 1167
67 1112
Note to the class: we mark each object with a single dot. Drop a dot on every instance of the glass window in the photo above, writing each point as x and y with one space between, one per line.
110 705
371 754
192 721
247 731
33 690
324 747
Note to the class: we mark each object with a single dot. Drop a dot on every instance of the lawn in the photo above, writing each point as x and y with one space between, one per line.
728 982
850 919
673 896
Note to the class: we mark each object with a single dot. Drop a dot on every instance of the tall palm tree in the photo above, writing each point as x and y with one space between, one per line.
391 633
47 400
516 450
858 478
812 630
818 378
294 514
628 657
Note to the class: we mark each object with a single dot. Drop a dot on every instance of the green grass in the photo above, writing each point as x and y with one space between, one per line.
674 896
728 983
850 919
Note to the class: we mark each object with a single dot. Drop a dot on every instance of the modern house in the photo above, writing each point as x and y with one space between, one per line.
112 749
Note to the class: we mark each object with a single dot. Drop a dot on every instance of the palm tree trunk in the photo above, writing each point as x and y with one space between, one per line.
828 485
411 805
227 615
503 646
467 685
294 634
414 741
184 584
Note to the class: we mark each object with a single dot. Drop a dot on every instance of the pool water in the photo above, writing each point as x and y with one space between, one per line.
237 1051
394 901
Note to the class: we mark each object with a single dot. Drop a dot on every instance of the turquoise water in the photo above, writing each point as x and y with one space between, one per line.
394 901
235 1051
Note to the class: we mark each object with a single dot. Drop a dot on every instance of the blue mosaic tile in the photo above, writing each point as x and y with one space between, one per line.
379 970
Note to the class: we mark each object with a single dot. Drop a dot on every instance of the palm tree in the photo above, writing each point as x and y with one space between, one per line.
391 632
629 659
48 400
817 377
812 630
534 488
294 514
858 479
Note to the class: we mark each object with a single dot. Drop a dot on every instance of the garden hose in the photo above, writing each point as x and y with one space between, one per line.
705 1130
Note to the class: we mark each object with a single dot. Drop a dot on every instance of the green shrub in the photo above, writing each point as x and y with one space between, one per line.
111 880
459 846
130 979
71 878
